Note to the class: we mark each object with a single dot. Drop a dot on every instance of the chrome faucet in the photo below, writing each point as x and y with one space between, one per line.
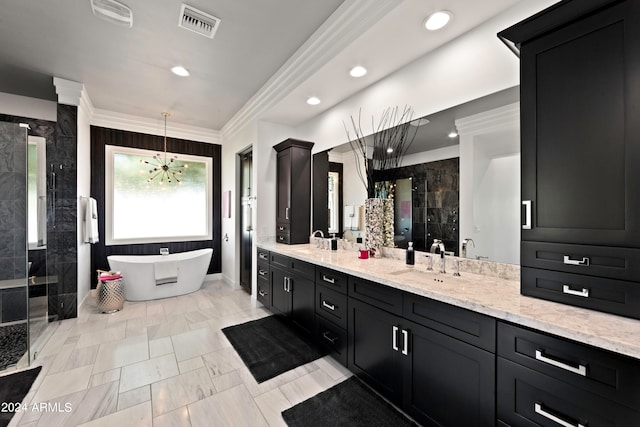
465 243
319 240
437 246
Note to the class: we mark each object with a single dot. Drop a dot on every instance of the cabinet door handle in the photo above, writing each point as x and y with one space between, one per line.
329 279
580 370
527 214
394 339
326 336
581 293
286 213
286 284
262 293
405 336
540 410
329 306
584 261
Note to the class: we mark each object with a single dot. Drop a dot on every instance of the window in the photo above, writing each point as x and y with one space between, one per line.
138 211
37 192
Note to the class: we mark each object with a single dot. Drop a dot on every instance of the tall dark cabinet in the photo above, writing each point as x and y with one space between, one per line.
293 192
580 103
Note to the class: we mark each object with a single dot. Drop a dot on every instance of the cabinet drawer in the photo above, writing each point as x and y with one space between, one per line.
612 296
473 328
283 238
263 255
282 228
281 261
381 296
264 292
609 375
263 270
601 261
331 305
332 338
331 279
528 398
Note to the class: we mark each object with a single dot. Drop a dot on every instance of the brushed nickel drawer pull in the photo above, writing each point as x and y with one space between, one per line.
286 213
262 293
540 410
394 339
328 279
584 261
405 334
262 272
331 307
326 336
262 255
581 293
527 215
580 370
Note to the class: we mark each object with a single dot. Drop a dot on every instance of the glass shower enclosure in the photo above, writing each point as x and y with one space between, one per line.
25 323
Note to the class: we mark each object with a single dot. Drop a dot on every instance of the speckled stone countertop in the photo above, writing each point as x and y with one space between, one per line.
492 296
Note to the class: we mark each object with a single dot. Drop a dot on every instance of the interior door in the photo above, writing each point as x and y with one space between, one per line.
246 226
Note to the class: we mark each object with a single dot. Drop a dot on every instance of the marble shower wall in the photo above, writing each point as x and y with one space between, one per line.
13 221
435 201
62 241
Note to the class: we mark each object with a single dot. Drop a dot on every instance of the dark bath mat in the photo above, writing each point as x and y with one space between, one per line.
270 346
350 403
13 344
13 388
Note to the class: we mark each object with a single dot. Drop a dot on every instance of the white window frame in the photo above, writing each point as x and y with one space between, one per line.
110 152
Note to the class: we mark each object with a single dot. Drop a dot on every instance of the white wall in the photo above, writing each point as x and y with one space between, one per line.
83 165
22 106
474 65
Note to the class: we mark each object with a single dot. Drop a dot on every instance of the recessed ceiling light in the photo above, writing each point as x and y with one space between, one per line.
389 150
453 134
313 101
180 71
437 20
358 71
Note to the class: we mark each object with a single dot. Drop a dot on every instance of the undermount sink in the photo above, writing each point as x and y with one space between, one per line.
402 271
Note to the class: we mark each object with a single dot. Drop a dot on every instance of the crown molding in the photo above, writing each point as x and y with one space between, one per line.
69 92
112 120
488 121
347 23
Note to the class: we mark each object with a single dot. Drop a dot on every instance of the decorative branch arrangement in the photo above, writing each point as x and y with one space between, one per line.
391 140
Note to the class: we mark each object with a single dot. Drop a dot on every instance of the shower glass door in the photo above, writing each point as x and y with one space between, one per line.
14 333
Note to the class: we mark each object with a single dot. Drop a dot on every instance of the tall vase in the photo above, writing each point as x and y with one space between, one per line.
374 224
387 223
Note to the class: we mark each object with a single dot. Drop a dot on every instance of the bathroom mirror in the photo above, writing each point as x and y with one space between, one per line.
480 168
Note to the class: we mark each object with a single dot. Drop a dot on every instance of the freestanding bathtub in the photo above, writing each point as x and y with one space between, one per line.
148 277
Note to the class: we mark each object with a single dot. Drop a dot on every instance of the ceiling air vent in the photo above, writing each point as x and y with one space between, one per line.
197 21
112 11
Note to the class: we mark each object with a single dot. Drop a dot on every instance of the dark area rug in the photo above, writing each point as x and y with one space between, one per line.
271 346
13 388
13 344
350 403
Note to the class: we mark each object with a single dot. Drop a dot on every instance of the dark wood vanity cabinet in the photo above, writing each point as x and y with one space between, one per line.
264 278
547 380
293 290
580 137
293 191
434 360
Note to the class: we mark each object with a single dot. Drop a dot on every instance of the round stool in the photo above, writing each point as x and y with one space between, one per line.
110 295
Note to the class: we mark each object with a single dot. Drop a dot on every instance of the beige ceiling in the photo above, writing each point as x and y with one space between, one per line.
308 44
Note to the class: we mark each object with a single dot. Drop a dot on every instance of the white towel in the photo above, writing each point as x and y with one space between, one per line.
165 272
91 221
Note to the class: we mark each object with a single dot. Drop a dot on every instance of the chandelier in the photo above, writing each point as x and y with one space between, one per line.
163 167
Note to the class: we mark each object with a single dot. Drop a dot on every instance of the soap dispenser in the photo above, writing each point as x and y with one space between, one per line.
411 255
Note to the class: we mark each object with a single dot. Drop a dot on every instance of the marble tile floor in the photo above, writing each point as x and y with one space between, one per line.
163 363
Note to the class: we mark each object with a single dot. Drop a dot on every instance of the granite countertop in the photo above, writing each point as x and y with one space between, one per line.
492 296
